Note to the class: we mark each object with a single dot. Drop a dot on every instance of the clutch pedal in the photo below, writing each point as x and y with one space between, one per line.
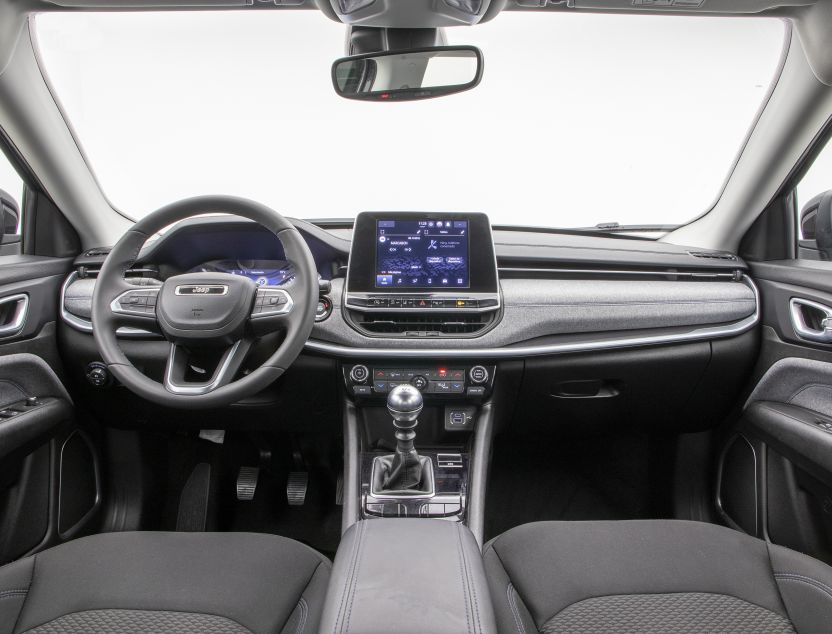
247 482
296 487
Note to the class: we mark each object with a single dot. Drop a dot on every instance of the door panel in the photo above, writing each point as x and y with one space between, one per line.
49 478
787 418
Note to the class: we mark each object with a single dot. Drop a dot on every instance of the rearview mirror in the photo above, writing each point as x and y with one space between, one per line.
408 75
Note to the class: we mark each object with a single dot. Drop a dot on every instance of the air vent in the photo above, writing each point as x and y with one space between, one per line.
714 255
421 325
138 275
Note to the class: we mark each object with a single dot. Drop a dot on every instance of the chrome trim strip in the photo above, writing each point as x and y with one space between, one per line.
697 334
15 326
85 325
198 388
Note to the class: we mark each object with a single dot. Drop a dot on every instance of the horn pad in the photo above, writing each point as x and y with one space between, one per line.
205 308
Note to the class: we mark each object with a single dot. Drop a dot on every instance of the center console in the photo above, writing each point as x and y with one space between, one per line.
416 422
408 576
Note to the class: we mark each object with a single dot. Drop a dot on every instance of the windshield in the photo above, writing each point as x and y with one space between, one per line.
579 119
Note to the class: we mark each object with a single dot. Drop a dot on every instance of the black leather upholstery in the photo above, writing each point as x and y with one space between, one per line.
410 576
652 576
165 583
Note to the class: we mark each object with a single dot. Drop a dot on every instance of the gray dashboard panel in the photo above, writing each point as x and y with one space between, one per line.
536 309
541 308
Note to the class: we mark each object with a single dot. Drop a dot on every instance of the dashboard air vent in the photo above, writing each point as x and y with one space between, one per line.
714 255
403 324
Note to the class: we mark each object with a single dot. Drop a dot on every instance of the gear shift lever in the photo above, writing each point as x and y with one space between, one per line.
404 404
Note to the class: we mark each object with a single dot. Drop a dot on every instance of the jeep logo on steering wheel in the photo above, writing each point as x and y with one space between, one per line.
209 289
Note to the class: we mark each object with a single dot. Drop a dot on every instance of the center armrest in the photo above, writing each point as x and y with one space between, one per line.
408 575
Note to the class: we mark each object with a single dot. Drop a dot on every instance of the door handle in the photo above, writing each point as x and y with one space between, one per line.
13 311
805 330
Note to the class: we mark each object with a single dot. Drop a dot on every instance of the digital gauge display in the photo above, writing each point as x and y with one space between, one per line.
262 272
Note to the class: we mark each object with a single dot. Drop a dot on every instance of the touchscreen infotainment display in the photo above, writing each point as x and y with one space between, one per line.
422 253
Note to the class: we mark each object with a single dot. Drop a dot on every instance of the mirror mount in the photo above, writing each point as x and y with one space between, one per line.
370 39
408 75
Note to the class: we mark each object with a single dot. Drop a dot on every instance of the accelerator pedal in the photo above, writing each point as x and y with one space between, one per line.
247 483
296 487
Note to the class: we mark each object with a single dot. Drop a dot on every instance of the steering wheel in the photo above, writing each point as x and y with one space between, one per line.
211 313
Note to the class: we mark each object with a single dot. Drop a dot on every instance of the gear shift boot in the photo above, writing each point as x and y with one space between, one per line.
403 481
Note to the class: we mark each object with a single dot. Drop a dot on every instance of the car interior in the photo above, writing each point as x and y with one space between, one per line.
420 316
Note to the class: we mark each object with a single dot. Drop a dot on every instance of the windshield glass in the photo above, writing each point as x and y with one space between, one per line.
579 119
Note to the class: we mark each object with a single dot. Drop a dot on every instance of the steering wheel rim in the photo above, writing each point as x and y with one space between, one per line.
297 321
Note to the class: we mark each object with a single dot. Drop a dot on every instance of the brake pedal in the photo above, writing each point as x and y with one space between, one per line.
296 487
247 482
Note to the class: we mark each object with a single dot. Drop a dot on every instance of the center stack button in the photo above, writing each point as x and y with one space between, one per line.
419 382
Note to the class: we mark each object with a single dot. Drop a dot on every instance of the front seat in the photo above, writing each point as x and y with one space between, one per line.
651 577
126 583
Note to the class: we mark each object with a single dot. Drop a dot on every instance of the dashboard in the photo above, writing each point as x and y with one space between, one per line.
510 292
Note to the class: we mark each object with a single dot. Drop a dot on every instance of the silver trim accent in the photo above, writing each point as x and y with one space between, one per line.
15 326
697 334
803 330
197 388
84 325
222 287
115 305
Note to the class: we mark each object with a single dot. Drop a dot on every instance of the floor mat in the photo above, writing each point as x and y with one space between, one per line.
610 477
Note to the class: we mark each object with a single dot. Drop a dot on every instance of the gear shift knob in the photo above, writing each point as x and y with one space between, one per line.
404 404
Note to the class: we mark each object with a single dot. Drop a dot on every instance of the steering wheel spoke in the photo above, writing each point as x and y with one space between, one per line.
185 364
271 308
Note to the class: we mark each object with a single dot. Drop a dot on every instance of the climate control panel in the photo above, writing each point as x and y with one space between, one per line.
440 380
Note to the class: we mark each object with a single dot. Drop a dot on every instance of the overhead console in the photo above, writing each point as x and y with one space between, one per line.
417 274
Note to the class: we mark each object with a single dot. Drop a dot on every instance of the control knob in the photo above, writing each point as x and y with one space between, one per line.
359 373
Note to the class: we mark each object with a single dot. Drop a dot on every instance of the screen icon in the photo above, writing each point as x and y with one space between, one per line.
384 280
